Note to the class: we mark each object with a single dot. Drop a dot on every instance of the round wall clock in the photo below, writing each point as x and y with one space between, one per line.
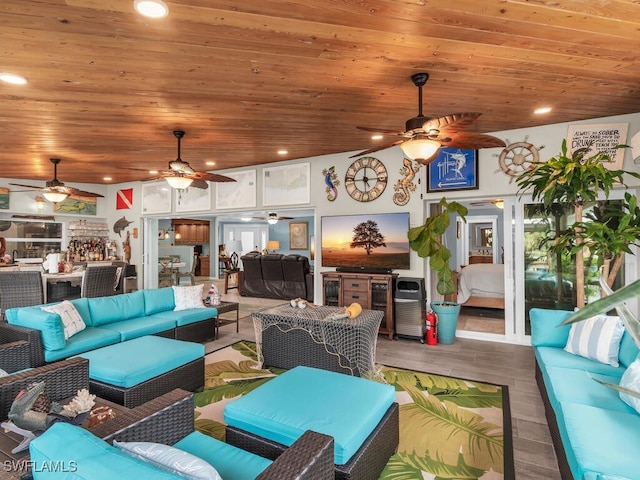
366 179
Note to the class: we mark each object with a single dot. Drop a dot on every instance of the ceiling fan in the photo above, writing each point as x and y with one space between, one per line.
423 136
272 218
180 174
55 191
498 202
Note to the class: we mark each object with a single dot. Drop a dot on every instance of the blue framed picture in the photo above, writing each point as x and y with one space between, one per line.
453 169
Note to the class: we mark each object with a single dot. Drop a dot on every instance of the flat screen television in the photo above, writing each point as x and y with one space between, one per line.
375 241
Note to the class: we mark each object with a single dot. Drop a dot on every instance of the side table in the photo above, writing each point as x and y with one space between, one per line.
225 307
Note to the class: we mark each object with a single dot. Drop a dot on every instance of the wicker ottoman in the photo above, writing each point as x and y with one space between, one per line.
361 415
133 372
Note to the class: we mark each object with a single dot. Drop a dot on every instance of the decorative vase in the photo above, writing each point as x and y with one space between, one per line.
448 313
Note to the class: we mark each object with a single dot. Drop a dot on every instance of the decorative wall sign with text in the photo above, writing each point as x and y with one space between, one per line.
594 138
453 169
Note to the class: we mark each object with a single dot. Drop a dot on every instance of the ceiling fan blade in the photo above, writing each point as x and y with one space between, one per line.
210 177
202 184
25 186
472 141
375 149
81 193
381 130
453 122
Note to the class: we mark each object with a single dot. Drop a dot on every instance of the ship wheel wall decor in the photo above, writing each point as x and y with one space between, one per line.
516 158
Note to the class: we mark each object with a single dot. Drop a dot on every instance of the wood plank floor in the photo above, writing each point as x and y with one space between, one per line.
499 363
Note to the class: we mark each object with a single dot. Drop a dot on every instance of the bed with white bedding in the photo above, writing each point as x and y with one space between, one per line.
481 285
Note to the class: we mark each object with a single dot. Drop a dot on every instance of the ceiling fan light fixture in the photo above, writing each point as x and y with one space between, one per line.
55 197
499 204
420 148
178 182
272 219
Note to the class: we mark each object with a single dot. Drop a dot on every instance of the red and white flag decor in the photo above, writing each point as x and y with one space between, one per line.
124 199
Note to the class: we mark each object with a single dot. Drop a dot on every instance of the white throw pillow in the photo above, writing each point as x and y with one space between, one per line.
188 297
631 381
597 338
170 459
72 322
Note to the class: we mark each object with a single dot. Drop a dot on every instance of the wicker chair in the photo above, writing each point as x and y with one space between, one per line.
99 281
20 289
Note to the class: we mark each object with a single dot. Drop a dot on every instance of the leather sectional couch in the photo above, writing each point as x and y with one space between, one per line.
276 276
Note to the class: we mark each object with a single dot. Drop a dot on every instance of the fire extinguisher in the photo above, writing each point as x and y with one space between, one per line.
432 328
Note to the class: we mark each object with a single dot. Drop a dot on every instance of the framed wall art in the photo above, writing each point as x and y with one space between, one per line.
238 194
596 138
156 197
193 200
298 235
286 185
453 169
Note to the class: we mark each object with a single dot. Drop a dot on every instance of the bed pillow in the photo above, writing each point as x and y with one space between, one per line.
188 297
71 320
631 381
597 338
170 459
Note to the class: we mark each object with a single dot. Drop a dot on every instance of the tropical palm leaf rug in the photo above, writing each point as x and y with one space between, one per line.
449 428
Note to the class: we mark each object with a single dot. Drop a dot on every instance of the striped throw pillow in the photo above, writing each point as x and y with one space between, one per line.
597 338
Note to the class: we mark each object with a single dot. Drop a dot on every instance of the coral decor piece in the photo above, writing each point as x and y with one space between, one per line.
81 403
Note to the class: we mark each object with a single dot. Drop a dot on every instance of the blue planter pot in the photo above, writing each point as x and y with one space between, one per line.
447 313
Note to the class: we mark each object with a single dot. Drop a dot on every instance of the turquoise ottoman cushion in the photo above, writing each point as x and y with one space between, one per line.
135 361
158 300
116 308
304 398
139 327
84 456
83 341
232 463
186 317
600 441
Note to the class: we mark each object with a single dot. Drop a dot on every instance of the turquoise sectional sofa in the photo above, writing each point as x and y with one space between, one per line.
595 434
108 320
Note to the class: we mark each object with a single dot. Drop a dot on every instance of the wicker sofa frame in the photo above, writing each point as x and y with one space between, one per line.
561 456
367 463
171 417
189 376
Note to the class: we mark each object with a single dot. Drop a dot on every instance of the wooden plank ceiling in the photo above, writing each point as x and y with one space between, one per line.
245 78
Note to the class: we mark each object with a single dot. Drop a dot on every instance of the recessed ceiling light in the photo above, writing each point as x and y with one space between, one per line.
542 110
13 78
107 179
210 164
376 137
151 8
282 152
153 172
245 219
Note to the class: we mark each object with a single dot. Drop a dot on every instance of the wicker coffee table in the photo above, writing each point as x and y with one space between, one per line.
225 307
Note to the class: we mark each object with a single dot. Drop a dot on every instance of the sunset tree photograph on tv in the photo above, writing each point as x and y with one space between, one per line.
375 241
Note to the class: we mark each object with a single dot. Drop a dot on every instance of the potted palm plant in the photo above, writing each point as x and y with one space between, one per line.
427 241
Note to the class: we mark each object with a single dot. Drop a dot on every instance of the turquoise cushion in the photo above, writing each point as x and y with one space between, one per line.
84 456
84 341
306 398
545 327
135 361
82 306
557 357
186 317
158 300
116 308
628 350
49 324
231 462
575 386
139 327
598 440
